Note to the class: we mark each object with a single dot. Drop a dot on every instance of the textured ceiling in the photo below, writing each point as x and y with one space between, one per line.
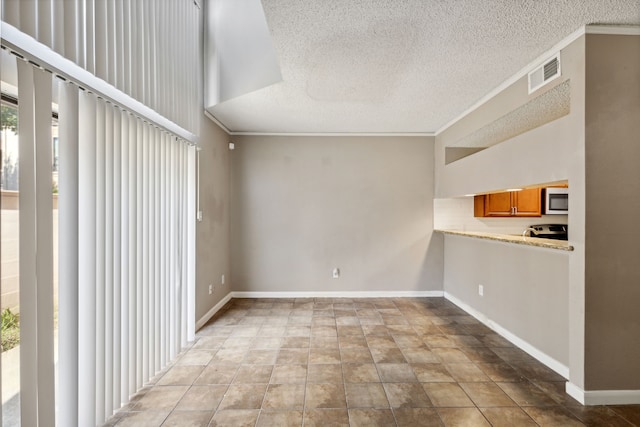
549 106
406 66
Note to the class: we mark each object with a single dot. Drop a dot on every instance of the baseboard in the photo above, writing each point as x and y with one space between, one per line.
342 294
603 397
204 319
514 339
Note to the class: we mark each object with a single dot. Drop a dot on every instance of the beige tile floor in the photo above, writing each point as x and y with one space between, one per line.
357 362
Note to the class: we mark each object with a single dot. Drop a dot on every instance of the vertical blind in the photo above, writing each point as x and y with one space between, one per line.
36 247
148 49
126 246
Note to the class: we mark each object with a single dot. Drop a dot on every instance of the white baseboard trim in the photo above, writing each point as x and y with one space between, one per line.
204 319
603 397
514 339
340 294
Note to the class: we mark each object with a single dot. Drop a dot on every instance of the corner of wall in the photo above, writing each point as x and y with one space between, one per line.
213 230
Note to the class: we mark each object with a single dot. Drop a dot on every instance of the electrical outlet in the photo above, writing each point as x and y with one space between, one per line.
210 289
336 273
480 290
222 280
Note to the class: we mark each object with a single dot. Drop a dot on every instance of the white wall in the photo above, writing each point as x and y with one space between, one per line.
304 205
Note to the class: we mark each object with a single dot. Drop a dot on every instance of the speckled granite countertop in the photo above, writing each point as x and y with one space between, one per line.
562 245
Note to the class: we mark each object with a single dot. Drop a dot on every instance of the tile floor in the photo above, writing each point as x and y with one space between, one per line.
357 362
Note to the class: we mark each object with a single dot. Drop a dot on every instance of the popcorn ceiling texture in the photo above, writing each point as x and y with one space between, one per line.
401 65
546 108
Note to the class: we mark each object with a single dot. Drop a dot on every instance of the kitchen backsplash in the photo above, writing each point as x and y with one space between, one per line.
457 214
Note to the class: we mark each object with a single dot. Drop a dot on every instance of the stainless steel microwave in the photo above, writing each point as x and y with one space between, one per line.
556 201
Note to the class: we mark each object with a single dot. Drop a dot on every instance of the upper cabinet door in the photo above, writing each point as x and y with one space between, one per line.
527 202
498 204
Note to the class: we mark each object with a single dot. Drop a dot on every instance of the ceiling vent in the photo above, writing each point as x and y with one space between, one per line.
543 74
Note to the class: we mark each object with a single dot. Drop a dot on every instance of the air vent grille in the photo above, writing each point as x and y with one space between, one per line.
543 74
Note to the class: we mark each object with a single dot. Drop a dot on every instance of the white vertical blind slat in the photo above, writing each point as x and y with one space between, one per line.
157 232
101 51
152 249
145 253
68 264
117 258
100 242
70 29
153 40
144 42
173 322
109 260
163 246
138 52
133 254
191 247
127 49
139 256
161 58
57 29
11 12
183 242
178 254
119 46
80 33
28 248
29 18
125 254
111 43
44 249
89 57
45 21
174 67
134 26
87 260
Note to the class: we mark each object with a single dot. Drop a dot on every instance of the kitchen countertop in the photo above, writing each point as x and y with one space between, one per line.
562 245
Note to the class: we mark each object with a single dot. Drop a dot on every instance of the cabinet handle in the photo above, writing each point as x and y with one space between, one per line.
515 210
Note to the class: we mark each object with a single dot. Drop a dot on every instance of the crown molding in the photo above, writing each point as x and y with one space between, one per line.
217 122
619 30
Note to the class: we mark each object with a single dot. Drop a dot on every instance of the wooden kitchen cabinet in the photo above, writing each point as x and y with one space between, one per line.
524 203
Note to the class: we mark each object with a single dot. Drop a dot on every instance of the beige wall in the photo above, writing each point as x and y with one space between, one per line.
549 153
212 233
612 354
304 205
525 289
